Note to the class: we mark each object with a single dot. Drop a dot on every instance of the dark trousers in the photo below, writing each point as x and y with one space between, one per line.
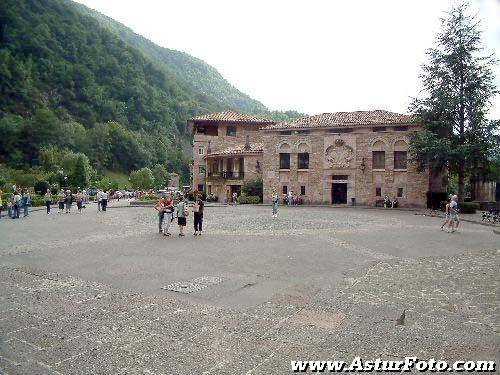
16 212
198 221
48 206
161 216
104 204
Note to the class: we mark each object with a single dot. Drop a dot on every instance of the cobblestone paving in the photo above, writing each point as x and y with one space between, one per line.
56 322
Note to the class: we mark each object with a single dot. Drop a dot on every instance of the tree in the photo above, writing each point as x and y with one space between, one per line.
160 175
457 90
142 179
254 188
80 176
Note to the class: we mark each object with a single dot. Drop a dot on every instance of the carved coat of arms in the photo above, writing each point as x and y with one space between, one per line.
339 155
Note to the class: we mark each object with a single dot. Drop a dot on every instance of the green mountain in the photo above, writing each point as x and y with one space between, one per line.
72 79
193 72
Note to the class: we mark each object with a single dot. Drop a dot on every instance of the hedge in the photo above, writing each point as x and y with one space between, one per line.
251 199
464 207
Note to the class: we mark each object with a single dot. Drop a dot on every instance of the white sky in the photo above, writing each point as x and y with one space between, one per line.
312 56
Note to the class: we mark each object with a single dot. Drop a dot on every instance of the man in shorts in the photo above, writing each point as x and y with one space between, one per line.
453 214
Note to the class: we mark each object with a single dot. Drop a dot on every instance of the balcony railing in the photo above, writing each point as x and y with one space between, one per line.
227 175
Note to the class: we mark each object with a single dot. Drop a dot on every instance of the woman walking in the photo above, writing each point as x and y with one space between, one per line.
275 202
48 200
198 215
168 208
69 201
182 214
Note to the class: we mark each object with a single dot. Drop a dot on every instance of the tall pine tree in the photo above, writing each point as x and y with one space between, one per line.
458 85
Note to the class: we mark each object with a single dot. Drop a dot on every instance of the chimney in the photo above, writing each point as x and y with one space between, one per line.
247 144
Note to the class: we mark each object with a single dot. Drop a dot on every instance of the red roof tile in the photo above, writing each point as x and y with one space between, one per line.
230 116
255 148
345 119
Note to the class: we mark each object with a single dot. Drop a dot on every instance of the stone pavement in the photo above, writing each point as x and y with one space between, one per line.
83 294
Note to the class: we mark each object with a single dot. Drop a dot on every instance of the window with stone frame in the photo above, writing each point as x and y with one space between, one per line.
378 192
231 131
378 159
303 160
400 159
201 187
284 160
201 150
400 192
302 190
201 169
285 189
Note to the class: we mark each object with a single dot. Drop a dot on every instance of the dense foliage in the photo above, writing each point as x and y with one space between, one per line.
253 188
458 86
73 80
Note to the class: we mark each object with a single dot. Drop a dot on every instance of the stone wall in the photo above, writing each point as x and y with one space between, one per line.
333 156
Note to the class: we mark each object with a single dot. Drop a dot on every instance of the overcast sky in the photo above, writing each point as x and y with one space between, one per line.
312 56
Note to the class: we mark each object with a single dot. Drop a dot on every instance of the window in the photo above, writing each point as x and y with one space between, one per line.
303 131
284 161
231 131
201 150
201 169
285 189
400 159
400 192
286 133
303 160
302 190
378 192
380 129
378 159
401 128
201 187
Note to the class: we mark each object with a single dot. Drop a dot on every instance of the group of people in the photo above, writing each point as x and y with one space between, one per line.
101 198
167 209
451 210
65 201
19 199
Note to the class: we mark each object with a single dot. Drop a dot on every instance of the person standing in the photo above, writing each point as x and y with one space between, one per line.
61 197
198 207
17 204
26 203
168 208
161 213
104 200
453 213
68 201
447 213
182 214
1 204
79 201
235 198
10 206
48 200
275 202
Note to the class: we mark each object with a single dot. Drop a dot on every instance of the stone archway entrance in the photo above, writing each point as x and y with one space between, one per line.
339 193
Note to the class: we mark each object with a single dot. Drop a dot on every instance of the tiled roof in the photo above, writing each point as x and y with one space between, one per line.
230 116
255 148
345 119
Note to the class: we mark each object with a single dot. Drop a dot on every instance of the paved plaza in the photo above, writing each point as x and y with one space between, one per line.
104 293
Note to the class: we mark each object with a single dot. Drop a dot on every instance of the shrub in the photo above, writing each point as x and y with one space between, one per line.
41 187
149 197
250 199
37 200
253 188
468 207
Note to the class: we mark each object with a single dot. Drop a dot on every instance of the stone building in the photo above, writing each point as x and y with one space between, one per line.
227 151
332 158
344 158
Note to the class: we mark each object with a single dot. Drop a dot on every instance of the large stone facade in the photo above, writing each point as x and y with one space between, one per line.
220 161
339 158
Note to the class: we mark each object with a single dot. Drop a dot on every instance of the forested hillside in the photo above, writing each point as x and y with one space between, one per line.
69 81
